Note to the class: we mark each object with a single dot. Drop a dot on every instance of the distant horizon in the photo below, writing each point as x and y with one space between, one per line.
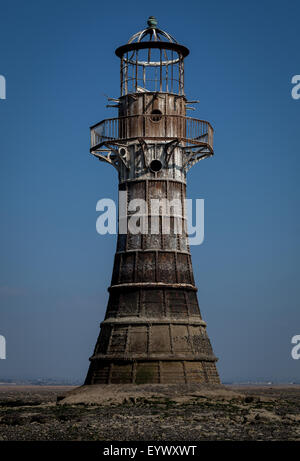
78 381
62 382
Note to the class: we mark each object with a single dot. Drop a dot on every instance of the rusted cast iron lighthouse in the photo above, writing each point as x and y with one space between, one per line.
153 331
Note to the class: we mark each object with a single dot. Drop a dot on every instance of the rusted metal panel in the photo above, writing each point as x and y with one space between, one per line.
121 372
149 266
173 372
138 340
166 266
183 268
180 338
194 372
147 372
129 303
127 268
153 303
118 340
160 339
103 341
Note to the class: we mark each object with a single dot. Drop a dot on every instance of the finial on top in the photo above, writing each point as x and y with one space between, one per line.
152 33
152 22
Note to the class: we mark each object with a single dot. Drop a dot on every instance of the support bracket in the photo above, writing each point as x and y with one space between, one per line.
170 147
144 148
195 156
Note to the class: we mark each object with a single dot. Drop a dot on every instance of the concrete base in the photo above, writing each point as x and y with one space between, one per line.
116 394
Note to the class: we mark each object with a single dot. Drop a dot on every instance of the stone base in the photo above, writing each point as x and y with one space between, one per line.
132 394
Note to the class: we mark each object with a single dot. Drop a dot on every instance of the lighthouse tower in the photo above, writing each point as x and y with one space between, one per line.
153 331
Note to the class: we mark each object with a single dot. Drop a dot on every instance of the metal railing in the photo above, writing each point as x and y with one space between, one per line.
191 130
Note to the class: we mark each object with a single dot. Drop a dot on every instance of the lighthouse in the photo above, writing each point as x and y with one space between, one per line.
153 331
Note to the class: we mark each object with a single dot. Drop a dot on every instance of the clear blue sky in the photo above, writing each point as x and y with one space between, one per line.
58 60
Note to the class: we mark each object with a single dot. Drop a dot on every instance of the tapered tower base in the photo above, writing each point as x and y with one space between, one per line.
154 372
161 338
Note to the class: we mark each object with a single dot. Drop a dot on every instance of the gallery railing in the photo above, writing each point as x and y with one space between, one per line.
152 126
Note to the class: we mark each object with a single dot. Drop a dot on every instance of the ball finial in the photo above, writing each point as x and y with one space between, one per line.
152 22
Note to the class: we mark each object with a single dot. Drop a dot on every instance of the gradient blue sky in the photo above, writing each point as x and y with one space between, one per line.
58 60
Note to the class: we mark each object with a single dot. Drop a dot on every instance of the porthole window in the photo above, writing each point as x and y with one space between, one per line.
156 115
113 156
122 152
155 166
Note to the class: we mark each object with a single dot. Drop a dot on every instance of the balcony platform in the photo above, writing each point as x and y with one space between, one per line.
191 132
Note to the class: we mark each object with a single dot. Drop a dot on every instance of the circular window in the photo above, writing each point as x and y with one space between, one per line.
122 151
155 166
156 115
113 157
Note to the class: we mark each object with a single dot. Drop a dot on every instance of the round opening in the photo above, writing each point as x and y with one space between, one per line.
113 157
155 166
156 115
122 151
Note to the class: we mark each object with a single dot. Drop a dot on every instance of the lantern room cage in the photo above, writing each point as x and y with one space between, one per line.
151 61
